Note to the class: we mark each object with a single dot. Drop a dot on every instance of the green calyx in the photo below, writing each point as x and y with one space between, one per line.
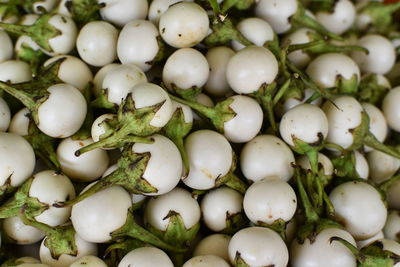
40 32
301 20
129 175
84 11
101 101
370 90
234 222
238 261
322 5
60 240
189 94
130 126
310 150
238 4
218 115
372 255
123 246
8 11
231 180
381 15
34 58
32 207
345 166
176 130
278 226
134 230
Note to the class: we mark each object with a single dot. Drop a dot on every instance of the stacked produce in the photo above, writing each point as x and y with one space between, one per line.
196 133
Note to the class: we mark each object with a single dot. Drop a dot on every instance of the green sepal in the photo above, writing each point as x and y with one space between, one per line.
32 206
345 166
372 255
239 262
134 230
101 101
129 175
310 150
131 125
231 180
59 239
124 246
84 11
347 86
35 58
234 222
370 91
278 226
301 20
381 15
40 32
218 115
385 186
322 5
189 94
6 188
311 230
176 130
238 4
223 32
8 10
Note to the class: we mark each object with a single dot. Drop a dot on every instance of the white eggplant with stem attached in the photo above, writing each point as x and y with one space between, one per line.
184 24
215 244
175 218
258 246
99 77
145 110
376 15
107 215
222 210
139 43
117 84
206 261
351 165
212 162
97 43
271 203
140 168
18 161
266 156
54 33
20 233
340 19
146 256
121 12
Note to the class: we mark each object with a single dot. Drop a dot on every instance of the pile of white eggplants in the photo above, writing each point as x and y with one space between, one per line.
199 133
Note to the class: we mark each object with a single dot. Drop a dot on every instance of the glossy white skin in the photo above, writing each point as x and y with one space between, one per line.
6 46
97 129
269 200
218 58
250 68
247 122
187 111
383 81
25 41
259 246
322 252
49 187
146 257
64 42
184 24
85 168
150 94
178 200
327 68
216 244
293 102
377 123
84 248
303 162
391 109
19 232
341 19
15 71
88 261
164 169
206 261
299 58
137 44
99 77
95 217
19 123
48 5
304 122
362 219
366 242
120 12
97 43
33 265
72 71
362 167
5 115
64 111
344 114
256 30
218 204
276 13
27 260
17 159
120 80
392 226
266 156
186 68
210 157
382 166
158 7
381 56
393 194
